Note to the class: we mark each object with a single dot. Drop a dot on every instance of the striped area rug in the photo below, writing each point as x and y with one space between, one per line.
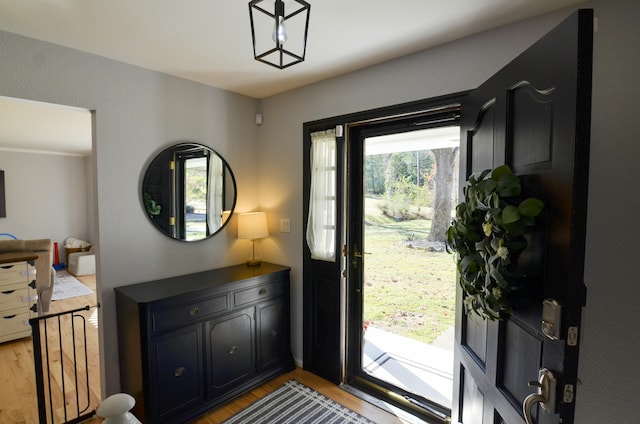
296 403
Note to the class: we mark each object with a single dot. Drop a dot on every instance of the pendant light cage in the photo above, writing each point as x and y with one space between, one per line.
270 21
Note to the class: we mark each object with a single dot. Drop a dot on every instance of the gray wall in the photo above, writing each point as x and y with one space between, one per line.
609 374
610 348
46 197
139 111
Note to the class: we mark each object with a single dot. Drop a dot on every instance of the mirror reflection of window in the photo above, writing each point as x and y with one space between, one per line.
189 192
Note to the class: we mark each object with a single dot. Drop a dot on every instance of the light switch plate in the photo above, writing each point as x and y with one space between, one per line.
285 225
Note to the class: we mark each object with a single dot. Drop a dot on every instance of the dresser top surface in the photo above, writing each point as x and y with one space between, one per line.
151 291
17 257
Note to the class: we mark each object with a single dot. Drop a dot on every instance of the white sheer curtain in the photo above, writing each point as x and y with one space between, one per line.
214 193
321 223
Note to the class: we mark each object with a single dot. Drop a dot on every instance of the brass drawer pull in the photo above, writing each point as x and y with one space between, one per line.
262 292
194 311
179 372
8 292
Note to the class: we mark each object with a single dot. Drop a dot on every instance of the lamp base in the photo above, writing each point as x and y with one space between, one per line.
254 262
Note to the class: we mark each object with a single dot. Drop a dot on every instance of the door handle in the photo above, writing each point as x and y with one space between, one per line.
355 255
546 395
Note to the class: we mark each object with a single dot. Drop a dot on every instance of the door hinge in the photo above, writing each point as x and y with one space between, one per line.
172 220
344 250
172 164
567 396
572 336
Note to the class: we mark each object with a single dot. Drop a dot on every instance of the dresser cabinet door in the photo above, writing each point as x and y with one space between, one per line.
230 351
273 340
177 371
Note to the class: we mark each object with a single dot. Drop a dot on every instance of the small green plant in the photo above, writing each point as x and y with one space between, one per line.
403 199
488 235
153 208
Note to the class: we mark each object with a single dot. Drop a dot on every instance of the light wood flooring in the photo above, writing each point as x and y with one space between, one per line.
18 400
18 392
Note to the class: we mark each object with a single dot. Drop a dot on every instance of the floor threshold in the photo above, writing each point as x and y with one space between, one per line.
403 415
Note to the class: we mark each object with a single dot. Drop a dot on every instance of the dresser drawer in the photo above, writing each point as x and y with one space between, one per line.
12 297
170 318
254 294
14 321
16 272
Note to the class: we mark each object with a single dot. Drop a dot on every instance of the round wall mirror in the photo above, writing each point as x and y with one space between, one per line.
189 192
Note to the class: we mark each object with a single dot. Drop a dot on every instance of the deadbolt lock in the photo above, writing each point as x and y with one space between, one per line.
551 315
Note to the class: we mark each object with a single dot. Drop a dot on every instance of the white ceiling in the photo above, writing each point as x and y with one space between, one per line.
209 41
44 128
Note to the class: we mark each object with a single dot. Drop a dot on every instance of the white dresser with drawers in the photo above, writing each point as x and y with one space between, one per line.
17 294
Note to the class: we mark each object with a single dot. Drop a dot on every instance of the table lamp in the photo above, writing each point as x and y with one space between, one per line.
252 226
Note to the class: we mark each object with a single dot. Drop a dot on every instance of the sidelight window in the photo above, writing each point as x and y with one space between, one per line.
321 224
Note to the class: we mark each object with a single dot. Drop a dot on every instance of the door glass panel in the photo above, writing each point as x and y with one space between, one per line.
409 285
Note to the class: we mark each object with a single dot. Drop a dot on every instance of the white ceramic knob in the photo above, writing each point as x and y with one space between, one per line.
115 409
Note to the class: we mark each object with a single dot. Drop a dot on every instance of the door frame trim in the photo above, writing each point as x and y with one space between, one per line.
400 112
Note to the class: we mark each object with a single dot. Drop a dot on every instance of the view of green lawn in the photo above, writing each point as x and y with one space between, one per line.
409 291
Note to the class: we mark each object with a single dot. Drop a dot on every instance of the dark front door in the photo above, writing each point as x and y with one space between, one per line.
533 115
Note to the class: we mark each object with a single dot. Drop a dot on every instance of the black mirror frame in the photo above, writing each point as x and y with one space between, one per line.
151 208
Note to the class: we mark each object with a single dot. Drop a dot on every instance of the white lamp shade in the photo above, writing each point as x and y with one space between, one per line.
252 225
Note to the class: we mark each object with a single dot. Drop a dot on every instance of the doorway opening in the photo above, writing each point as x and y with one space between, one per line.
403 185
54 144
409 278
358 301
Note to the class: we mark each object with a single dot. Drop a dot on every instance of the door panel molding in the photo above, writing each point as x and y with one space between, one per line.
474 338
530 114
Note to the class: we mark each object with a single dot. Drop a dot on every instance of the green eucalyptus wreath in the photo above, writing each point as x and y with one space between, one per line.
488 235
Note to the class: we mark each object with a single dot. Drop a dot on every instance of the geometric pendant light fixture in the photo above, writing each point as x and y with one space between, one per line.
279 31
